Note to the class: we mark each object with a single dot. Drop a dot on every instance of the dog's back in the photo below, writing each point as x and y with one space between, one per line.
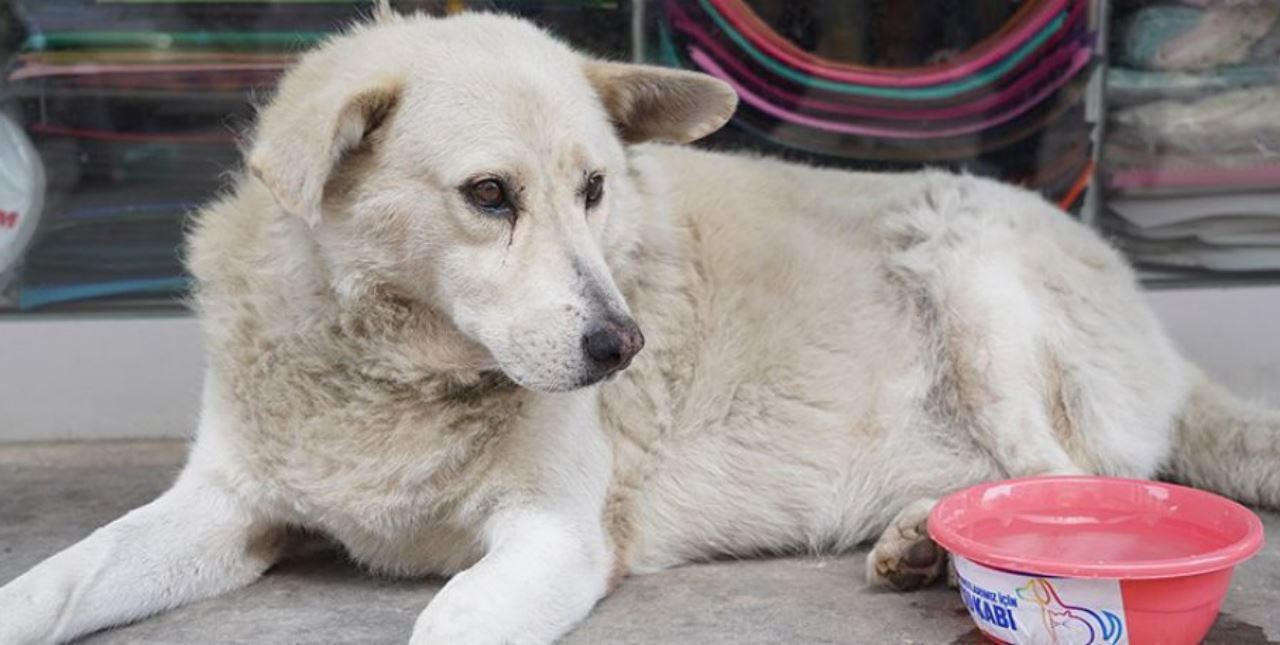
836 345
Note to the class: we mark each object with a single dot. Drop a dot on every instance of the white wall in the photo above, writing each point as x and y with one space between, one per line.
98 377
1233 334
80 378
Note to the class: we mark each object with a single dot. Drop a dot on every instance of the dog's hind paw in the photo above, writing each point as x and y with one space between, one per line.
904 558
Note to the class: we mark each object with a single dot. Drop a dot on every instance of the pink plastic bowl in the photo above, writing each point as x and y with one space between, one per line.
1169 549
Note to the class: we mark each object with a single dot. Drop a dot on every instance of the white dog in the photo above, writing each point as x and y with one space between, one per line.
447 240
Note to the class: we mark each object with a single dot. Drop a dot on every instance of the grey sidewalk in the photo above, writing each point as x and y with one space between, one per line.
53 494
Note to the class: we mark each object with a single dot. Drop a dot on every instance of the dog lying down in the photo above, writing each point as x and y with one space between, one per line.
452 240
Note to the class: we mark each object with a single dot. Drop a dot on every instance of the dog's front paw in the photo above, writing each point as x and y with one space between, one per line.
441 627
447 622
904 558
458 616
542 578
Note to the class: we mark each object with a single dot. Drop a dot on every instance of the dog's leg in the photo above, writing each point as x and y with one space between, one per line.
978 324
194 541
904 558
547 557
542 574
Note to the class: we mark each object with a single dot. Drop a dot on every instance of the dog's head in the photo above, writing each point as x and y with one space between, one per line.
476 165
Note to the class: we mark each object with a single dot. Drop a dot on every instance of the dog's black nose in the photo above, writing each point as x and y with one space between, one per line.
612 344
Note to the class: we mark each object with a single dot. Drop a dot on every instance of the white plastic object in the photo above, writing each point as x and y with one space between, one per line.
22 184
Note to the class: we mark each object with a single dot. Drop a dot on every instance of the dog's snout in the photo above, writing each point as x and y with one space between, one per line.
612 344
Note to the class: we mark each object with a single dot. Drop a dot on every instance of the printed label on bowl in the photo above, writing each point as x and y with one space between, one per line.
1029 609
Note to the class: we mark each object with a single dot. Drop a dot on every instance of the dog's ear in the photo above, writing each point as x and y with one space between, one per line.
302 137
649 103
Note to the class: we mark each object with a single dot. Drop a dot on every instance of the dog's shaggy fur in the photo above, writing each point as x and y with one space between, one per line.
827 352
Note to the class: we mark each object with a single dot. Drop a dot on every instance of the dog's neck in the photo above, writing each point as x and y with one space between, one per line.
276 292
395 338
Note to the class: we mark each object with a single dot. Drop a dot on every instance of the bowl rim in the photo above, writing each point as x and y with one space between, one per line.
1222 558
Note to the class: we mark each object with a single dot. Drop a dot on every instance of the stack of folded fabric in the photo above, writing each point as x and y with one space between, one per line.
1011 106
136 108
1192 159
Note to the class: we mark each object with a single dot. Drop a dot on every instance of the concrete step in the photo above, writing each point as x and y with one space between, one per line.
54 494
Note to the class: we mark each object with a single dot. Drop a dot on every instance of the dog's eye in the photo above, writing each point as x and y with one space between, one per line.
489 194
594 189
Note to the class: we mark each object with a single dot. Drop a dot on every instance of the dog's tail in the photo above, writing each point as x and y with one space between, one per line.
1227 446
